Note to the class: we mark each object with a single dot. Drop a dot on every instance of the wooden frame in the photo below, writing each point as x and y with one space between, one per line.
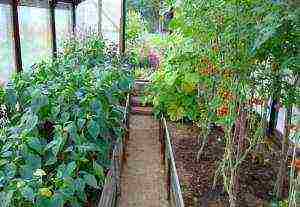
173 185
52 5
16 26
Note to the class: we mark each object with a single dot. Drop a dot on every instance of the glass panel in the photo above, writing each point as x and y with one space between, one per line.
35 35
63 25
111 16
87 16
6 44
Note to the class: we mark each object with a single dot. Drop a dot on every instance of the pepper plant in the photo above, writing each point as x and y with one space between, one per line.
62 121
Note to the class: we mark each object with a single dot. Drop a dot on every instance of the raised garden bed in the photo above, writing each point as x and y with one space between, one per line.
196 176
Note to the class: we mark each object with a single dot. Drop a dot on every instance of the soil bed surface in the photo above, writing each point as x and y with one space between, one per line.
258 173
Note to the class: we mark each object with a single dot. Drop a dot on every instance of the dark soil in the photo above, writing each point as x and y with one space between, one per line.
257 176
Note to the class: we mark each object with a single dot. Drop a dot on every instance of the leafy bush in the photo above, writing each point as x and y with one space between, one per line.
62 122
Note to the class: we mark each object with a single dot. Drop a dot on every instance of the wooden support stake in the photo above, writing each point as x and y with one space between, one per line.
123 28
169 179
53 28
16 36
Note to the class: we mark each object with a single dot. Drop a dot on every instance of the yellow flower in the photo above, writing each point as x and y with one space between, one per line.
46 192
39 173
20 184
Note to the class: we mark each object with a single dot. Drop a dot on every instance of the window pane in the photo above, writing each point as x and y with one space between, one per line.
6 43
63 24
87 16
35 35
111 16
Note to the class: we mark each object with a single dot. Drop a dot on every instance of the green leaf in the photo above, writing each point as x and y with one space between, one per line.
94 129
68 189
79 185
29 121
90 180
50 158
5 198
65 116
38 100
57 200
35 144
55 111
74 202
70 169
81 123
28 193
55 145
3 162
99 171
10 170
71 127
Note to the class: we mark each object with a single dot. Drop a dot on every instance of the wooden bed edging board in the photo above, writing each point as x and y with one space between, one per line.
112 189
174 190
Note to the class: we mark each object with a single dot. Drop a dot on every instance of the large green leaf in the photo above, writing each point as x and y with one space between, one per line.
90 180
99 171
55 145
70 168
28 193
57 200
29 121
35 144
93 128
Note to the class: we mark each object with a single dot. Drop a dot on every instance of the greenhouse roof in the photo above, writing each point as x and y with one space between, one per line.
40 3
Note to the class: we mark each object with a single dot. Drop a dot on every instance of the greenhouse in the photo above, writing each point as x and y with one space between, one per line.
157 103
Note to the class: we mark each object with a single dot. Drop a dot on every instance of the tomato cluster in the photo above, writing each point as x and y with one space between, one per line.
256 101
209 70
226 95
227 73
223 111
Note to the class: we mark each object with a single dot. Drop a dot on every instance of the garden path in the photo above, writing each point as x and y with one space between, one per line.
143 183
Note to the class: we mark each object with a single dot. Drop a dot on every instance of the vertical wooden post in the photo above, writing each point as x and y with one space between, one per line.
53 28
169 179
16 36
123 28
73 18
162 141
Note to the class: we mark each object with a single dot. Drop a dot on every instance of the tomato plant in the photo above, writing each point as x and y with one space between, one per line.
234 56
